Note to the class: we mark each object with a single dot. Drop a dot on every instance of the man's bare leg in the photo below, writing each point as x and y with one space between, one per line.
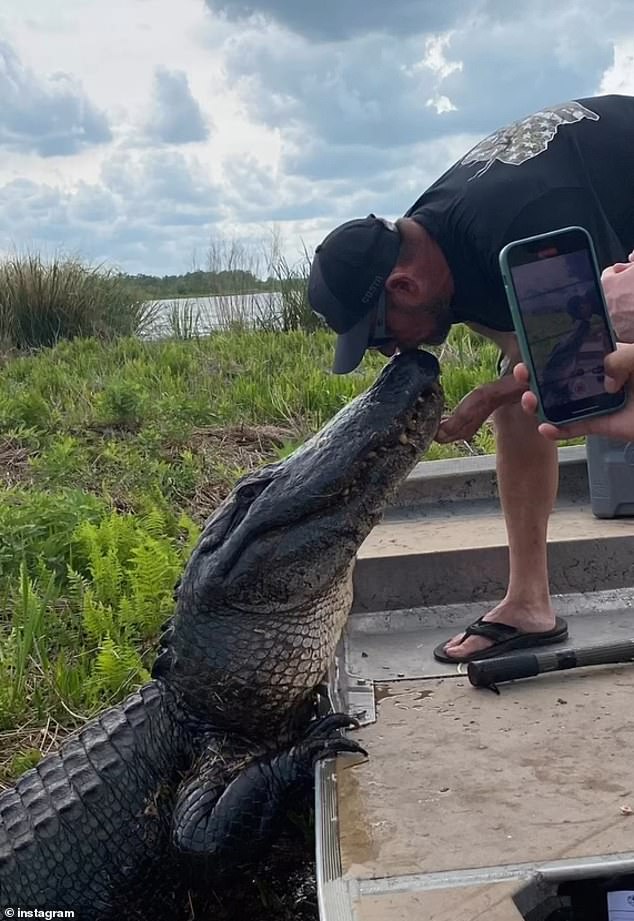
528 476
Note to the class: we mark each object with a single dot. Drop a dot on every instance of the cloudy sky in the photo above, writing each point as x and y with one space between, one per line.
136 132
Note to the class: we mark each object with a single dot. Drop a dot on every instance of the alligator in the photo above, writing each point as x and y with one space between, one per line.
189 775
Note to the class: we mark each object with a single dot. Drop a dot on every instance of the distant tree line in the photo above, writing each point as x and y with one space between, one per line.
200 284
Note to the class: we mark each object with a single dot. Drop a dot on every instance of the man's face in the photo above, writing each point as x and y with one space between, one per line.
410 327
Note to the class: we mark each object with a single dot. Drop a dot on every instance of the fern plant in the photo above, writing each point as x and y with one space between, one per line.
37 527
64 459
116 669
124 593
122 403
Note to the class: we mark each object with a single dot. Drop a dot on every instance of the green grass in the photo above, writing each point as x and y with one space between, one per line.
111 456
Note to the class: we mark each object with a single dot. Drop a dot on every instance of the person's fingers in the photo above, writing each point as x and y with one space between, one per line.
619 366
573 429
529 402
553 432
521 373
602 425
459 426
618 267
444 433
453 429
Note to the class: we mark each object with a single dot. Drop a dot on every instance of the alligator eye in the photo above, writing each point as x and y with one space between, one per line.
251 491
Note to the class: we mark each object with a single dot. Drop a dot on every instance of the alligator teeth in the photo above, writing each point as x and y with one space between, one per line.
346 492
403 438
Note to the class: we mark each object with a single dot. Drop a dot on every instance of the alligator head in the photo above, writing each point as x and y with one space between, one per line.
267 590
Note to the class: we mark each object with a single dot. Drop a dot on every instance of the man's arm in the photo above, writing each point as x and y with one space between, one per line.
476 407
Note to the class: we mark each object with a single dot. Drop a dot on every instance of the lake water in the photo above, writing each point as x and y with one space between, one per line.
192 316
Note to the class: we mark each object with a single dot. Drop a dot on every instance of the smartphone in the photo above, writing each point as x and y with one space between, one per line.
554 290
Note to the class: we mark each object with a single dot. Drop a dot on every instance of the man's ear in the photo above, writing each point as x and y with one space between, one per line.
403 288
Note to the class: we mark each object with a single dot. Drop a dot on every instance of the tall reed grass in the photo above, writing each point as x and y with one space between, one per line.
235 305
42 302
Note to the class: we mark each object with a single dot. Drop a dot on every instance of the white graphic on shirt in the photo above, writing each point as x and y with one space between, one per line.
526 138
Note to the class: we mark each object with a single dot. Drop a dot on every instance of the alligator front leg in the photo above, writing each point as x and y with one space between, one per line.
234 824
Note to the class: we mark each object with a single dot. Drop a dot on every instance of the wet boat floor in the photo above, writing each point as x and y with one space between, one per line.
466 794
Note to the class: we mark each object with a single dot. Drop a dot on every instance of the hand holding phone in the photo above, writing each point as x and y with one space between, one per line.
618 425
560 316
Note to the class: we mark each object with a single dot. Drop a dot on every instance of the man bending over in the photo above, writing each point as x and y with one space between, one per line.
395 286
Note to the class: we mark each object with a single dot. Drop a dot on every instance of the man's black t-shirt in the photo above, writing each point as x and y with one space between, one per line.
570 164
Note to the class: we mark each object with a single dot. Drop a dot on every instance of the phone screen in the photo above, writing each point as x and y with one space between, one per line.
560 301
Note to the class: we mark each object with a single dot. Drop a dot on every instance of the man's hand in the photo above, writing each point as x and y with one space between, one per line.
477 406
618 286
619 372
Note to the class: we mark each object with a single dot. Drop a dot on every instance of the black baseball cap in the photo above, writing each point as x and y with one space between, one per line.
347 279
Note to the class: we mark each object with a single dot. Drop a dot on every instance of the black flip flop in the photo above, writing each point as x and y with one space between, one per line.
505 638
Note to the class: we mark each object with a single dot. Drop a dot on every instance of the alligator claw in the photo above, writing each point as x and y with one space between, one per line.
331 723
320 742
326 748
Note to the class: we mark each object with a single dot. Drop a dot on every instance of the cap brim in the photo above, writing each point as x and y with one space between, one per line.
351 346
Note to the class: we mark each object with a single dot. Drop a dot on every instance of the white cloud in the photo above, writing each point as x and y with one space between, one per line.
49 115
441 104
175 116
364 91
435 58
619 77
